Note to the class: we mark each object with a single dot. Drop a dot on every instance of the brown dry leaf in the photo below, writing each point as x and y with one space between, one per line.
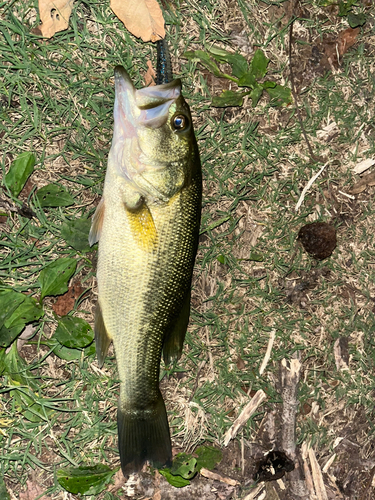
367 180
150 75
65 303
335 48
119 482
143 18
54 16
347 39
33 491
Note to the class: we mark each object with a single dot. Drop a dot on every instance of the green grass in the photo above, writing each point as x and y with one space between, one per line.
57 100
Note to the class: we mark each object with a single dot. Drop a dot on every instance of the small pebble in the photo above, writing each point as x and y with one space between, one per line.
318 239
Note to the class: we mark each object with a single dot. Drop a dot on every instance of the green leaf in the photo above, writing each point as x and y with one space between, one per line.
64 352
74 332
90 350
237 61
176 481
216 223
205 59
228 98
28 403
26 398
54 278
53 195
20 170
257 257
208 457
221 258
280 95
17 310
76 234
345 7
27 312
256 94
247 80
184 465
356 20
85 480
258 65
4 495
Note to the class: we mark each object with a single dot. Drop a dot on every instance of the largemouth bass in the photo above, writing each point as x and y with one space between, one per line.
147 225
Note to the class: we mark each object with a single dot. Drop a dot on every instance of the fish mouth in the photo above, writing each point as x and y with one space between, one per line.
147 107
135 110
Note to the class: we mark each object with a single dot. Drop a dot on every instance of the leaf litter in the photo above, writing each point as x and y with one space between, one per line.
243 299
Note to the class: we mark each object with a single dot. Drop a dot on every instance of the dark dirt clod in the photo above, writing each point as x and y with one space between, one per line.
318 239
274 466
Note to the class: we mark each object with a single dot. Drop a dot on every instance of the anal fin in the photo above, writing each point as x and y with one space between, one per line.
102 339
174 341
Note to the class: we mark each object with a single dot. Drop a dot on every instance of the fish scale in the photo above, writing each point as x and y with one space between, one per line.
147 225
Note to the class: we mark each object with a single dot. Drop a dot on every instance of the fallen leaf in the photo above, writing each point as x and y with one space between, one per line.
54 16
150 75
241 365
65 303
33 491
335 48
367 180
119 480
347 39
143 18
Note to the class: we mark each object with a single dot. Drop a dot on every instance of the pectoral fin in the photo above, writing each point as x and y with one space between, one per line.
143 227
97 223
102 339
173 343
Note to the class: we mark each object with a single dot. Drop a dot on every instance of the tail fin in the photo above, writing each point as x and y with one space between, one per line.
143 435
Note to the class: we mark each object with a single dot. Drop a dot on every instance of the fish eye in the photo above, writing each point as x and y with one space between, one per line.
180 122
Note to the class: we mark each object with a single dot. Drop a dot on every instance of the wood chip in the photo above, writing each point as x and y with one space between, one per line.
290 371
340 352
363 165
319 486
308 186
328 132
216 477
268 352
254 493
329 463
250 408
308 478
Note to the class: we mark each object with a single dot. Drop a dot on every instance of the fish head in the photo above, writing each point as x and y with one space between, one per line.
153 137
